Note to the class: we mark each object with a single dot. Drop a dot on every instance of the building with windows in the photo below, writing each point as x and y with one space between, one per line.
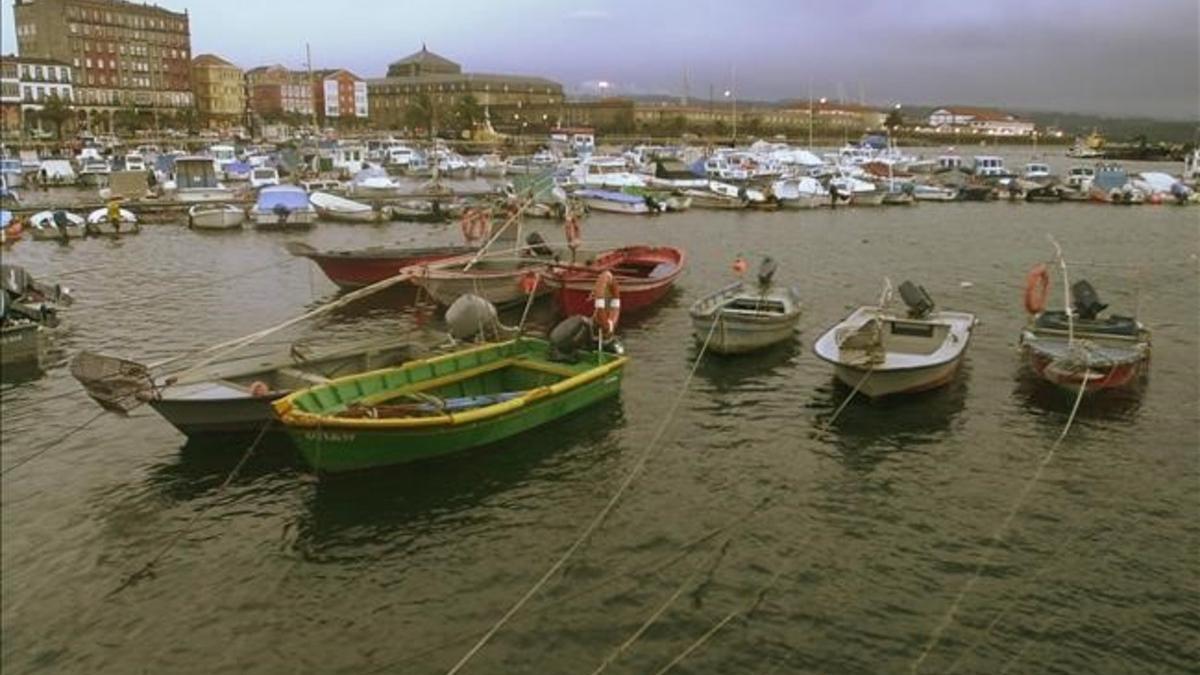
966 119
26 84
125 55
220 90
340 96
425 76
276 92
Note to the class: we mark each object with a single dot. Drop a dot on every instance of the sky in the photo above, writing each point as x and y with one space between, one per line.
1108 57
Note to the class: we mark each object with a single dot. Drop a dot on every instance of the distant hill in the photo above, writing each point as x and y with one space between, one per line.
1114 129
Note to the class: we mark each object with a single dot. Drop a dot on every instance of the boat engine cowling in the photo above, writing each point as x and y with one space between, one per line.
576 333
537 245
1086 300
471 316
766 271
917 298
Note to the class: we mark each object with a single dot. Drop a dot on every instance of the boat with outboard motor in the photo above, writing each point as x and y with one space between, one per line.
57 225
1076 347
283 207
333 207
215 216
880 352
747 317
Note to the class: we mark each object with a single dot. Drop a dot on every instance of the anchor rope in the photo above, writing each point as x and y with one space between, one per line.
656 565
998 536
758 598
599 517
147 569
662 608
46 447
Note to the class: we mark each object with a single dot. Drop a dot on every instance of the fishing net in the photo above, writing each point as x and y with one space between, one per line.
118 385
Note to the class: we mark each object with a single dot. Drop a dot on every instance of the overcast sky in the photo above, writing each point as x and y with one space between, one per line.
1113 57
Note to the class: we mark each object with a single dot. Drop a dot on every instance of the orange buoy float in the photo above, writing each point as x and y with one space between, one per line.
258 389
607 297
529 282
740 266
1037 288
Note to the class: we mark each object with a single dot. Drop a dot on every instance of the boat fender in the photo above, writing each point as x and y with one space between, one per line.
470 315
574 236
259 389
1037 288
607 297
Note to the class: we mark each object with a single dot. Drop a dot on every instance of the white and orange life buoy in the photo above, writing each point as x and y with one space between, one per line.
607 298
1037 288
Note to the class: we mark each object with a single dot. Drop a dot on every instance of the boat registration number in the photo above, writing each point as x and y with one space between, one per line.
330 436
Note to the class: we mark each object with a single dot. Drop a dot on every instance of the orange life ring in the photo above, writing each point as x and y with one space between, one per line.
607 297
574 236
1037 288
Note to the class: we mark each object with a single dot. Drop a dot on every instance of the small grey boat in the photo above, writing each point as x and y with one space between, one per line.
233 396
748 317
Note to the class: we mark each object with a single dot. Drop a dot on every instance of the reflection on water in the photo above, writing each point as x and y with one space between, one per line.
204 463
386 501
1116 405
727 372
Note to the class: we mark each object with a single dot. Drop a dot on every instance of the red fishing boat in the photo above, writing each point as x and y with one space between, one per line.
362 267
643 273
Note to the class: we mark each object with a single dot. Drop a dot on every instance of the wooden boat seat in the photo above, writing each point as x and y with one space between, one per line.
1113 325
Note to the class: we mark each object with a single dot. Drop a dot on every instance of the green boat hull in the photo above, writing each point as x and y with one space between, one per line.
335 446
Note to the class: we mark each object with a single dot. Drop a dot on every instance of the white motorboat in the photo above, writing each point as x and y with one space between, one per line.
11 171
98 222
800 193
373 182
333 207
879 351
57 226
283 207
934 193
196 181
860 192
748 317
1038 172
490 166
135 162
263 176
611 201
94 173
606 172
216 216
1112 185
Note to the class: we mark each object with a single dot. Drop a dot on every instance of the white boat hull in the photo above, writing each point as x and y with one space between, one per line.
295 219
216 218
887 383
805 202
202 195
498 289
608 206
741 335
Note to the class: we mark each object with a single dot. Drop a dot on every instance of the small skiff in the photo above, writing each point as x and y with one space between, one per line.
57 226
443 405
881 352
215 216
644 274
98 223
748 317
333 207
356 268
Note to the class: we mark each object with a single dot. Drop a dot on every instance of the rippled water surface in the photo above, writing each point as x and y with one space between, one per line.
841 549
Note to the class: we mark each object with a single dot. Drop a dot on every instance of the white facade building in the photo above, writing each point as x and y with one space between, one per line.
979 121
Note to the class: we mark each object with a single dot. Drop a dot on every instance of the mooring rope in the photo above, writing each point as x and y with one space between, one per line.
148 569
836 413
621 648
655 565
758 598
599 517
998 536
42 450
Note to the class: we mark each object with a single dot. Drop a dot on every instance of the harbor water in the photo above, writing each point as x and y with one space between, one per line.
905 527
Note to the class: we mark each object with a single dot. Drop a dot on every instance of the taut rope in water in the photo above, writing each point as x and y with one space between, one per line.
148 569
598 519
998 535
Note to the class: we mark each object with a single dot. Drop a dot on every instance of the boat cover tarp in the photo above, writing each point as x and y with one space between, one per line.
288 197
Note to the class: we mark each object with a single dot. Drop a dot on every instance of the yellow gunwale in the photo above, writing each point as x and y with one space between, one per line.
290 416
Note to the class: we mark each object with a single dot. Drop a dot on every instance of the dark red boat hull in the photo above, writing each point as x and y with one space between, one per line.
1118 377
574 283
355 269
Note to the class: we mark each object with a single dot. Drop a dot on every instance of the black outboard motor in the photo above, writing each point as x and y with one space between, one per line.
766 271
1087 302
917 298
576 333
282 212
537 244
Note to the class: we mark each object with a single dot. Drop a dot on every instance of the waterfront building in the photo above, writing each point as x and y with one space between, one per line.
340 96
276 92
967 119
125 55
26 83
425 76
219 89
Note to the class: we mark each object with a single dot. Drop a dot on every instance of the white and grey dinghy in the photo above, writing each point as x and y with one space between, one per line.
880 351
747 317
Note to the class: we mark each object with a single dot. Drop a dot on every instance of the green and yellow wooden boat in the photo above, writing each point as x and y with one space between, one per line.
444 404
